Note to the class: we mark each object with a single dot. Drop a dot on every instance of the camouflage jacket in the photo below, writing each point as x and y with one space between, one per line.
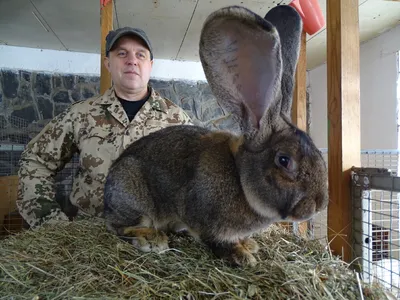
98 129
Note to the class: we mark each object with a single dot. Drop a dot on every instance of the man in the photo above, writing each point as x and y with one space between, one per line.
99 129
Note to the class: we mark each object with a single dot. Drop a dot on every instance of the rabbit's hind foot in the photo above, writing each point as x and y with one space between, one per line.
146 239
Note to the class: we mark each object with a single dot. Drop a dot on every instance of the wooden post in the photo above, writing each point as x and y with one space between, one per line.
343 75
299 105
106 21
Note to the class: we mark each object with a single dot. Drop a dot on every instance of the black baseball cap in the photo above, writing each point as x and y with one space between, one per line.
114 35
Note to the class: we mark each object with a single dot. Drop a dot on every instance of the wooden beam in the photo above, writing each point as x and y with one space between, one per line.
106 22
343 75
299 105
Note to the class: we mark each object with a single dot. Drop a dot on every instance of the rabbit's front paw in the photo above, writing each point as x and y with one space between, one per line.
242 256
237 253
146 239
250 245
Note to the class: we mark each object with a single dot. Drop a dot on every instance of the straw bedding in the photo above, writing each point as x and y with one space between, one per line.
81 260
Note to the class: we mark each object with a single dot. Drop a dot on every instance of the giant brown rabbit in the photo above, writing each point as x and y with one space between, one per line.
218 186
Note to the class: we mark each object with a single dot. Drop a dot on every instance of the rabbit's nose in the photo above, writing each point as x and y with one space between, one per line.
321 201
303 210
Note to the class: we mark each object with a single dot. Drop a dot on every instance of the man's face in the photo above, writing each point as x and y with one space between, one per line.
129 64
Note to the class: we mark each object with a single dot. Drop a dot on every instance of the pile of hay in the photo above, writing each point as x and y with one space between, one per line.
82 260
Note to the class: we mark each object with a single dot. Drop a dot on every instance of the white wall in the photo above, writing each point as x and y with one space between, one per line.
87 63
378 91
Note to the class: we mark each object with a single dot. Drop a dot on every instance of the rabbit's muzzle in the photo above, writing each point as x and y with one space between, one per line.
307 207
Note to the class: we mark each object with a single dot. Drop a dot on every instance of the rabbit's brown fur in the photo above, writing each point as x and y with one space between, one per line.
218 186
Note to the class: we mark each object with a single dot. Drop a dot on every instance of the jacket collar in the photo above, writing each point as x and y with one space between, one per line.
155 100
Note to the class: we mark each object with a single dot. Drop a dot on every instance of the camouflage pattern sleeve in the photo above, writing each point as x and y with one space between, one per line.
182 116
44 156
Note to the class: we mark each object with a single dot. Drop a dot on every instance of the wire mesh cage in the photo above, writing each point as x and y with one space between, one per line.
14 135
376 225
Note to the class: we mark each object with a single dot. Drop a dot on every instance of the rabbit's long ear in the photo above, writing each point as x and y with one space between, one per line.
241 58
289 25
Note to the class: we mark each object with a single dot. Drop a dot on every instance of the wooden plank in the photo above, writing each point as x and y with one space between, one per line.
343 75
8 198
299 106
106 22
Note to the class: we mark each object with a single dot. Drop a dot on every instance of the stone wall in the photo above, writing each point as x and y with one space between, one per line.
34 98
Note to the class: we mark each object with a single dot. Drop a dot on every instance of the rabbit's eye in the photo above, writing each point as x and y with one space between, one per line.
285 161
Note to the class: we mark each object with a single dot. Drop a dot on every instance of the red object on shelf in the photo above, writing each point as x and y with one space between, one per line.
104 3
311 14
